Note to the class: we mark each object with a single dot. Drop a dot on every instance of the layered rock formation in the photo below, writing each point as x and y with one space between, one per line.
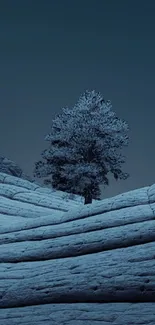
66 263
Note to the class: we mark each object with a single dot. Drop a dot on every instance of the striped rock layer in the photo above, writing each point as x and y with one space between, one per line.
63 262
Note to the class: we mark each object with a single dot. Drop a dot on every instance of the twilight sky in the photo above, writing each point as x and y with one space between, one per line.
52 51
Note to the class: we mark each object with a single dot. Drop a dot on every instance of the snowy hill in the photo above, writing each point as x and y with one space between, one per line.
63 262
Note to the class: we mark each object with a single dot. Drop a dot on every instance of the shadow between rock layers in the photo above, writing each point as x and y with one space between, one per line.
55 250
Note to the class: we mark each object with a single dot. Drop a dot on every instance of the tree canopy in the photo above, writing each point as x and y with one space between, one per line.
84 146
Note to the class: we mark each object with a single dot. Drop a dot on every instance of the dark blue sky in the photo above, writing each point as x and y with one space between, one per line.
51 51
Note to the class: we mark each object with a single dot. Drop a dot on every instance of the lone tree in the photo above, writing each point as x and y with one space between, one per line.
84 146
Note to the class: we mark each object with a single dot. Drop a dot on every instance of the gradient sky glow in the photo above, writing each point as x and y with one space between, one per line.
52 51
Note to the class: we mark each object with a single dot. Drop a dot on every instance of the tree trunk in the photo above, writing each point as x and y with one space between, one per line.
88 197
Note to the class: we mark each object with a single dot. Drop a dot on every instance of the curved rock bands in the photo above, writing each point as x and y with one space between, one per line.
77 244
120 275
49 227
28 217
81 314
58 225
